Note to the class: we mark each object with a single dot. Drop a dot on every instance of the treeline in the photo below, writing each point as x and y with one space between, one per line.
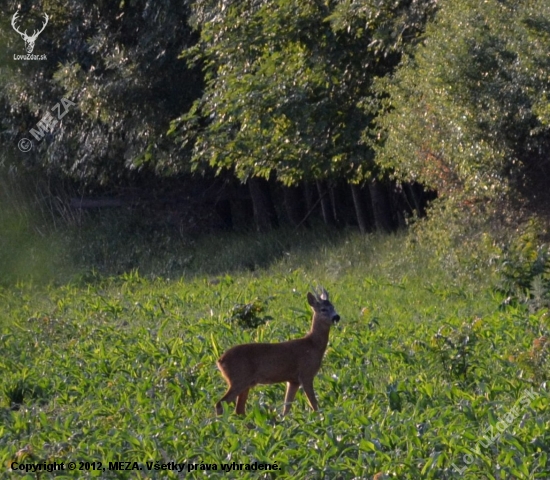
353 112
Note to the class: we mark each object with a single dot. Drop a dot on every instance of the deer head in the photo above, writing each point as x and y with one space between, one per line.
29 40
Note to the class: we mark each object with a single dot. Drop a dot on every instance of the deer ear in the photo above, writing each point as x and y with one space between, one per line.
311 299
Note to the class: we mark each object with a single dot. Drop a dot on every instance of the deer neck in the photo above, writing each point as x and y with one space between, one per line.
318 334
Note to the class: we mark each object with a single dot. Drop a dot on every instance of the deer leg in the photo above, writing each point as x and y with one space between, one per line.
291 389
241 402
307 385
229 397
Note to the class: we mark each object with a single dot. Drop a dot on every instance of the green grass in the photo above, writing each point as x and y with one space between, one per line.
425 361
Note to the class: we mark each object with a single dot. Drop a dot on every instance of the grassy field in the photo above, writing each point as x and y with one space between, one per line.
430 373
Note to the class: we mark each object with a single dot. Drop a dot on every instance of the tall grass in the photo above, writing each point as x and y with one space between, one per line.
119 362
110 355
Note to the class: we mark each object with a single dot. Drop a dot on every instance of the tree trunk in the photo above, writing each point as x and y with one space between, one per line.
265 215
223 209
312 200
364 220
332 194
294 205
381 206
326 206
419 197
401 208
342 207
413 199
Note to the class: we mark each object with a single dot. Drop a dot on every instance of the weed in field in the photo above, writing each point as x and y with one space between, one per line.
535 362
248 315
455 347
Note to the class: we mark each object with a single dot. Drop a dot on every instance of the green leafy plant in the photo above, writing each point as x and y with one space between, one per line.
455 347
248 315
24 390
536 361
525 268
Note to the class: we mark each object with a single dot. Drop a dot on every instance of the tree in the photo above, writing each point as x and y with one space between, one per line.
467 112
288 85
117 62
287 93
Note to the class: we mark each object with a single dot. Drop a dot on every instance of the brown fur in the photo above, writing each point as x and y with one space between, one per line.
295 362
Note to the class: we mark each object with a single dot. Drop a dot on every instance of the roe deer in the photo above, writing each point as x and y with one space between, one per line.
295 361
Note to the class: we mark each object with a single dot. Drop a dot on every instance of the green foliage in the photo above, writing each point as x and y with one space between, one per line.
455 347
123 368
29 245
285 81
392 27
465 111
25 391
247 315
525 267
536 361
117 62
112 243
394 397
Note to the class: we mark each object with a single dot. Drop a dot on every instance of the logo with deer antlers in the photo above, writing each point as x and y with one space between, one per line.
29 39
